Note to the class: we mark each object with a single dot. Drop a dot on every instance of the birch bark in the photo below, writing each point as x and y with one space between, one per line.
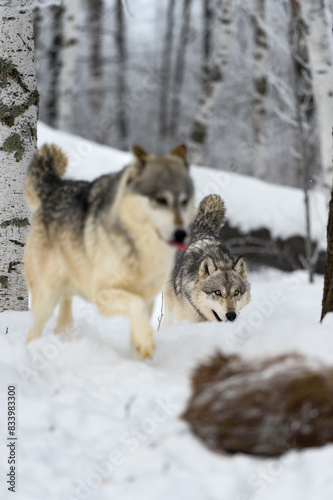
121 80
180 69
216 77
95 22
260 85
67 77
165 71
18 135
317 15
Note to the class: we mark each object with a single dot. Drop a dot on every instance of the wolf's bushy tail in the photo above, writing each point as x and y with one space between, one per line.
210 217
49 163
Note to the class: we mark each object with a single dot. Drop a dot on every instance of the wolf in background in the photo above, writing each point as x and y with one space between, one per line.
109 241
206 283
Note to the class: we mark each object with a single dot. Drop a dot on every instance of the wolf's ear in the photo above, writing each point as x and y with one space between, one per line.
207 267
181 152
239 266
139 153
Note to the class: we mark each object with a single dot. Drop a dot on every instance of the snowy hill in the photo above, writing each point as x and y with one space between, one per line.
95 422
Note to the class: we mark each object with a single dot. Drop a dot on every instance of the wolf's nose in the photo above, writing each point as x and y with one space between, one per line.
231 316
180 235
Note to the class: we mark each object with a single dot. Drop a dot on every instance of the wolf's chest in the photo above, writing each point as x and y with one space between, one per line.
152 268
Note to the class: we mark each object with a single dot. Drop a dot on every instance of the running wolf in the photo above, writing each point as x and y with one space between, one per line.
109 241
206 283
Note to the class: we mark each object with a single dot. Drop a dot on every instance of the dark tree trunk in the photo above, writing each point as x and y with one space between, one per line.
180 68
54 61
327 305
95 19
207 39
121 84
165 70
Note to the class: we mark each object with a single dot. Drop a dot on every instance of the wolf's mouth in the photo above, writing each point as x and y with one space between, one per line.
216 315
180 246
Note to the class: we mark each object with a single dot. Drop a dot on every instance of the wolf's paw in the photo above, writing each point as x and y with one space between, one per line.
31 337
145 345
65 332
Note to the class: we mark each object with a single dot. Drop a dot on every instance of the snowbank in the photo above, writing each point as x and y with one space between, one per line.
96 422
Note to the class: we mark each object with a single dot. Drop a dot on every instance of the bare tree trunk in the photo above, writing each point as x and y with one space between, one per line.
207 39
180 68
327 305
67 78
54 63
260 85
95 20
216 77
18 136
165 71
306 119
318 18
121 84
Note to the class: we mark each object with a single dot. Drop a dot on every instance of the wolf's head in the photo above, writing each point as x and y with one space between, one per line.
221 290
167 191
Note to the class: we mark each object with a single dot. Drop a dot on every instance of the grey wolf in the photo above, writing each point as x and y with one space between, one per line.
109 241
207 283
263 407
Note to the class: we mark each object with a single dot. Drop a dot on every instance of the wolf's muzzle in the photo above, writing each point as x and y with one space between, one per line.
179 240
180 235
231 316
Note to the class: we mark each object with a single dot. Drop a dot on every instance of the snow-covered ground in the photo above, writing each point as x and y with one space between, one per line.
95 422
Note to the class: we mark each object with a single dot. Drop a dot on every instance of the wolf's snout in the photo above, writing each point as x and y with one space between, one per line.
231 316
180 235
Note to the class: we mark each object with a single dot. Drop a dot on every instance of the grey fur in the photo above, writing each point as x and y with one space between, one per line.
160 174
206 267
69 203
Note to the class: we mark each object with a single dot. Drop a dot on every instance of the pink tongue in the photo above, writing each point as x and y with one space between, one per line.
179 246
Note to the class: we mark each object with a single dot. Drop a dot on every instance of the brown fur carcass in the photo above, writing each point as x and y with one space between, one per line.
262 407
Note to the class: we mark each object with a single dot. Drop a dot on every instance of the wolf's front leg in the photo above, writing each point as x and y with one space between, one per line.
115 301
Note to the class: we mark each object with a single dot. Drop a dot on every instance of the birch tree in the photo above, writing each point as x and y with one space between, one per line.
306 120
67 76
165 71
260 84
214 81
208 13
95 20
121 83
54 62
318 17
18 134
180 68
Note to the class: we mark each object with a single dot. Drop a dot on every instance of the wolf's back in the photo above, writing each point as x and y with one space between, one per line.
49 163
210 217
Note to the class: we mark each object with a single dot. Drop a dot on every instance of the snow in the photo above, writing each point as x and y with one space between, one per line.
96 422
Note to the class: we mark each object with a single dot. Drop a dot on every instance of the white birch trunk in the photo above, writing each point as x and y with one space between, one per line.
18 135
317 15
215 78
260 85
67 79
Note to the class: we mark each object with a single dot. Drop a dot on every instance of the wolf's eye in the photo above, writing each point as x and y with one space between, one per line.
185 202
236 292
161 200
217 292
